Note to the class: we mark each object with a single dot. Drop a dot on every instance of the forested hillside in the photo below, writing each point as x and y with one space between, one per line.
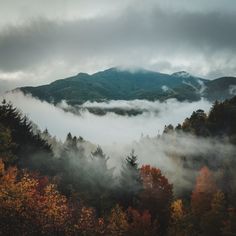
48 187
115 84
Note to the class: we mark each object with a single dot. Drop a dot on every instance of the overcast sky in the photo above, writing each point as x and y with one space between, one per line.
42 40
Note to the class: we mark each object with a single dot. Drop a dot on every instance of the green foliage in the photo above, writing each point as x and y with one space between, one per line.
220 122
7 147
30 148
114 84
220 89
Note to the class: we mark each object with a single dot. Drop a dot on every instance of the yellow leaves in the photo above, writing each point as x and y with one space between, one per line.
118 222
10 175
52 207
88 223
2 167
218 202
179 224
20 198
87 220
177 211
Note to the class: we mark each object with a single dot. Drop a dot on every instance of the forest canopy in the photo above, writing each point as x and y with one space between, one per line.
49 187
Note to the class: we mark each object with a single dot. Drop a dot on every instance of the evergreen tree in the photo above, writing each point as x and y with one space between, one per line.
101 181
130 183
69 138
168 129
32 151
7 147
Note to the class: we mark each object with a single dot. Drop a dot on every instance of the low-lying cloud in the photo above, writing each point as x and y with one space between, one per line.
118 135
110 128
165 152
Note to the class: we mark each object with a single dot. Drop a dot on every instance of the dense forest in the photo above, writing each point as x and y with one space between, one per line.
117 84
52 188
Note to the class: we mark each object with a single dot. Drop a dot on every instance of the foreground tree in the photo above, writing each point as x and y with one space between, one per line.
212 222
203 192
118 222
176 225
7 147
88 223
26 209
140 223
156 195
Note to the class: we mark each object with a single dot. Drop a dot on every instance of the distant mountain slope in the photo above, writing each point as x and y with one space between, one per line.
115 84
220 89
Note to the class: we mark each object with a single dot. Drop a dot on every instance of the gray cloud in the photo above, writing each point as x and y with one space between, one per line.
155 36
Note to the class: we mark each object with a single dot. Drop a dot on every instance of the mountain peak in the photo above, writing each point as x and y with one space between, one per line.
182 74
82 74
131 70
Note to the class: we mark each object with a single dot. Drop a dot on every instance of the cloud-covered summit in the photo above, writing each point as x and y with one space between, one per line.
42 41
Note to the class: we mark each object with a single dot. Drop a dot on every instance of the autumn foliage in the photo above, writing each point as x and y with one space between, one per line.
203 192
157 194
67 193
32 210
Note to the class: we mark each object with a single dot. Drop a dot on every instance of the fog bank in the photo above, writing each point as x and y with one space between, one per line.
118 134
110 128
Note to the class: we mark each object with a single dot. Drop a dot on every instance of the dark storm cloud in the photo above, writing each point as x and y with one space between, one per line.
137 36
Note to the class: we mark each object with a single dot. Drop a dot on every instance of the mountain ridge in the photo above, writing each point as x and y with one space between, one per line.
118 84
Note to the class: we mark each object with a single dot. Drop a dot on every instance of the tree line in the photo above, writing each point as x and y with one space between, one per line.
67 192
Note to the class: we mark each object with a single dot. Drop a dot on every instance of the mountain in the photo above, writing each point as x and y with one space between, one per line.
116 84
220 89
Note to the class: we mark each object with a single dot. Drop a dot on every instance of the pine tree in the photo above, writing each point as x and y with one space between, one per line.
69 138
100 181
7 147
30 148
130 182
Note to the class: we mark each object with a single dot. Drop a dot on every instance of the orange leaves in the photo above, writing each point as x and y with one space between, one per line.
35 206
32 205
118 222
10 175
21 201
157 191
203 192
156 195
130 222
139 220
2 167
205 182
141 223
87 219
88 223
53 208
153 179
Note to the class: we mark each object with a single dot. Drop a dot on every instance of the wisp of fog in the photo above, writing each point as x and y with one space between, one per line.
110 128
119 134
